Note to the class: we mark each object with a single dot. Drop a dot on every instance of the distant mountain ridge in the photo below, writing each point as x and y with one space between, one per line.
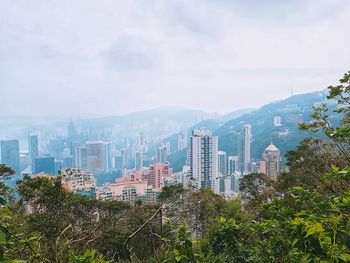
238 113
292 111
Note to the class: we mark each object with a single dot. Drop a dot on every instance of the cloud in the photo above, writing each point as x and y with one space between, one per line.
129 53
119 56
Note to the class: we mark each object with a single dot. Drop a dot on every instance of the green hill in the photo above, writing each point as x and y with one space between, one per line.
292 111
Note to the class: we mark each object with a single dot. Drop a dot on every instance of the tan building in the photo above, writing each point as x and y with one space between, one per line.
271 162
128 191
74 180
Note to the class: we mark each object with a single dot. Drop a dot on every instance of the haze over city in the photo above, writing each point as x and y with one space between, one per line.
178 131
77 58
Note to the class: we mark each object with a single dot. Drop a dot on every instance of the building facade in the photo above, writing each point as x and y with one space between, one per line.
157 172
203 159
271 162
45 165
10 154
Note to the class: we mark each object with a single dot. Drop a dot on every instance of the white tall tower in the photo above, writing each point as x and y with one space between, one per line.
247 139
203 159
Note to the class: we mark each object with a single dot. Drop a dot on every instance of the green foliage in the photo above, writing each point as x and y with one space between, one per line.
170 192
88 257
182 249
339 132
5 171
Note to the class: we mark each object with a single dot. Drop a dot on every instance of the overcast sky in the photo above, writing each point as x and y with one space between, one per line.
107 57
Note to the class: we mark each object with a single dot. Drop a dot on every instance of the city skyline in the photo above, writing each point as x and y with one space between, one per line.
96 59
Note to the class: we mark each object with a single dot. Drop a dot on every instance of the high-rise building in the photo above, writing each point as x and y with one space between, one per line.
247 138
162 154
125 159
185 139
107 157
271 162
33 149
243 142
94 156
167 146
141 144
239 143
45 165
83 158
203 159
222 163
138 160
118 162
157 172
182 140
99 157
233 167
10 154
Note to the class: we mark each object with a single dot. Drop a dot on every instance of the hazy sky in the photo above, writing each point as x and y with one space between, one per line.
106 57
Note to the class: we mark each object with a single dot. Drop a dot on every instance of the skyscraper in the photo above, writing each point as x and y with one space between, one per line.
240 155
138 160
182 140
83 158
222 163
125 159
271 162
247 138
95 156
10 154
162 154
33 148
107 157
203 159
232 165
141 142
99 156
45 165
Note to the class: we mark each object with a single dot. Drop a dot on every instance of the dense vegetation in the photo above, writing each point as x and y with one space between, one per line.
302 217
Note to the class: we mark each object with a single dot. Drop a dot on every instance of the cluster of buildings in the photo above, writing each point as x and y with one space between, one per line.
210 168
141 185
141 176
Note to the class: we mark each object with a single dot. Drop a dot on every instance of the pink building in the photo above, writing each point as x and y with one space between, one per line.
135 176
157 172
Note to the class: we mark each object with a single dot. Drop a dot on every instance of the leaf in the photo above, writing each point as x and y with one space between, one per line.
178 258
345 257
89 254
2 237
314 229
2 201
